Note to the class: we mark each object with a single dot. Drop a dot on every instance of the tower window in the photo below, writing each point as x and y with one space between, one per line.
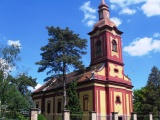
118 100
114 45
59 106
98 48
100 15
116 70
48 107
85 103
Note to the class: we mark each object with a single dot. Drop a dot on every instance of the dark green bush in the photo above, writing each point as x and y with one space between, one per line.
41 117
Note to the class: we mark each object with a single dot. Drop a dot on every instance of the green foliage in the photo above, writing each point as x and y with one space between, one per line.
11 96
64 49
73 104
153 90
139 100
23 82
147 99
41 117
20 116
14 93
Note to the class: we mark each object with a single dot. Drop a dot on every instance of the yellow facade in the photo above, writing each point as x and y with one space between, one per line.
112 72
103 102
51 102
49 116
118 107
127 103
125 78
90 102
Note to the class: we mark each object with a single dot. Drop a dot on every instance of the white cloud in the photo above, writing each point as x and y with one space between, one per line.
89 16
156 35
113 6
89 13
151 8
14 43
120 3
86 7
142 46
33 89
127 11
124 5
91 22
116 20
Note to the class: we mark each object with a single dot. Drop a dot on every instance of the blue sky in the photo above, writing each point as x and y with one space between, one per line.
24 22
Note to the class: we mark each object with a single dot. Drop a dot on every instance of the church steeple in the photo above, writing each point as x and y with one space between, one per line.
103 10
105 39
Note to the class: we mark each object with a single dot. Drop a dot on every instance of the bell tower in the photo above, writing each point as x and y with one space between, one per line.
105 39
114 88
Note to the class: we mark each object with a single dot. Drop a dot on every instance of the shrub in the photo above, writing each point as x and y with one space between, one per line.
41 117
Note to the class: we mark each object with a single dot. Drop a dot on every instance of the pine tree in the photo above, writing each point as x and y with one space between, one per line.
73 104
147 99
153 91
64 49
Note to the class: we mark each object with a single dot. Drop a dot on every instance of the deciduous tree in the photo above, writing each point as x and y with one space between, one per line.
14 92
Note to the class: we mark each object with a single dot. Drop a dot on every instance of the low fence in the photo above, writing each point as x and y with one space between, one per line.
103 117
133 116
94 116
148 117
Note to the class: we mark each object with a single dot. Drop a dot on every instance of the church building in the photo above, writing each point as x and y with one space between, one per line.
103 87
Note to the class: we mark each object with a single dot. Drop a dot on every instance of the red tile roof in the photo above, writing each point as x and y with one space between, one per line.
55 83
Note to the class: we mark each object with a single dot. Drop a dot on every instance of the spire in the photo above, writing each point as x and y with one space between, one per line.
103 10
103 2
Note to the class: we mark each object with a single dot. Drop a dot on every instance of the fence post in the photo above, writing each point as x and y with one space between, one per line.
66 114
92 115
134 116
114 115
150 116
34 113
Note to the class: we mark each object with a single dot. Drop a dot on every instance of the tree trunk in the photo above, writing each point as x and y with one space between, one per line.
64 85
64 92
64 89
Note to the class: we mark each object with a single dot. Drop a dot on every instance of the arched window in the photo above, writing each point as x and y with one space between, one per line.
98 48
114 45
48 107
118 100
37 104
59 106
85 102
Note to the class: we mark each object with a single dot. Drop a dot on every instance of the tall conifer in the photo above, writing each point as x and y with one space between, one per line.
64 49
73 104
